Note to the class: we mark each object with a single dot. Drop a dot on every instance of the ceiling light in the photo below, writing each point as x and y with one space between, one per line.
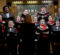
17 2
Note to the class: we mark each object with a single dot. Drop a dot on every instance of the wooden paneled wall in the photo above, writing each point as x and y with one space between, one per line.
2 3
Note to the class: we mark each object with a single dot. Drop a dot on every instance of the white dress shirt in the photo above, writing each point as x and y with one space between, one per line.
7 14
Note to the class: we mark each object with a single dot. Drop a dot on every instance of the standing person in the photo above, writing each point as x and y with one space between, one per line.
1 35
7 15
35 20
2 29
12 38
36 38
50 21
18 25
43 14
44 43
56 37
25 12
57 16
28 35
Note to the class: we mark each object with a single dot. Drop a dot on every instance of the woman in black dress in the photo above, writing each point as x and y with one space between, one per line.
44 43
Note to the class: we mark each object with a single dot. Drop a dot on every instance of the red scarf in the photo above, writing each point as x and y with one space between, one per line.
17 30
51 22
43 26
2 29
1 21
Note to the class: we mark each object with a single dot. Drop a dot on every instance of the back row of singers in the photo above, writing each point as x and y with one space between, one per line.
41 15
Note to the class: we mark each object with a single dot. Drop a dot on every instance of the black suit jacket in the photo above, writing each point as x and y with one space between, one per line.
11 17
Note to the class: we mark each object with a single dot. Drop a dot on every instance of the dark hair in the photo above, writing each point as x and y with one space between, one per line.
43 7
5 7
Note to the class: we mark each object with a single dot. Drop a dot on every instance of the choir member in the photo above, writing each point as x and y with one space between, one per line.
50 21
43 14
18 25
18 21
25 12
37 36
12 38
44 38
56 37
2 28
35 21
7 15
57 16
2 37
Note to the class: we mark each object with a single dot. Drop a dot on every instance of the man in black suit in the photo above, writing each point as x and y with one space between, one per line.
7 15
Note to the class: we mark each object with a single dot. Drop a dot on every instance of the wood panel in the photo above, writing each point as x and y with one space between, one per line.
2 3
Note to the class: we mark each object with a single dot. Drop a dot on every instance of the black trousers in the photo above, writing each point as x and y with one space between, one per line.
1 43
12 45
56 47
44 47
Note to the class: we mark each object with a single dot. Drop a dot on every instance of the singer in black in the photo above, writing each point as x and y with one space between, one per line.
43 14
12 38
44 42
7 15
56 37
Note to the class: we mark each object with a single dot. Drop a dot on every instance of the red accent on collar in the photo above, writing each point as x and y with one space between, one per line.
1 21
16 30
2 29
52 22
44 27
44 36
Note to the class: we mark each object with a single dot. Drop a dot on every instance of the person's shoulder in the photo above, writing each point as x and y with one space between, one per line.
53 26
11 13
48 13
56 14
3 14
22 15
39 13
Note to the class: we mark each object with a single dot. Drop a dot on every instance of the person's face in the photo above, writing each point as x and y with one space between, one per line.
35 19
42 22
6 9
50 18
43 9
0 17
18 19
57 22
58 10
26 12
11 24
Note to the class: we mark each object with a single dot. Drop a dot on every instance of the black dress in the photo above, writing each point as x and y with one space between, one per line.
28 35
44 43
